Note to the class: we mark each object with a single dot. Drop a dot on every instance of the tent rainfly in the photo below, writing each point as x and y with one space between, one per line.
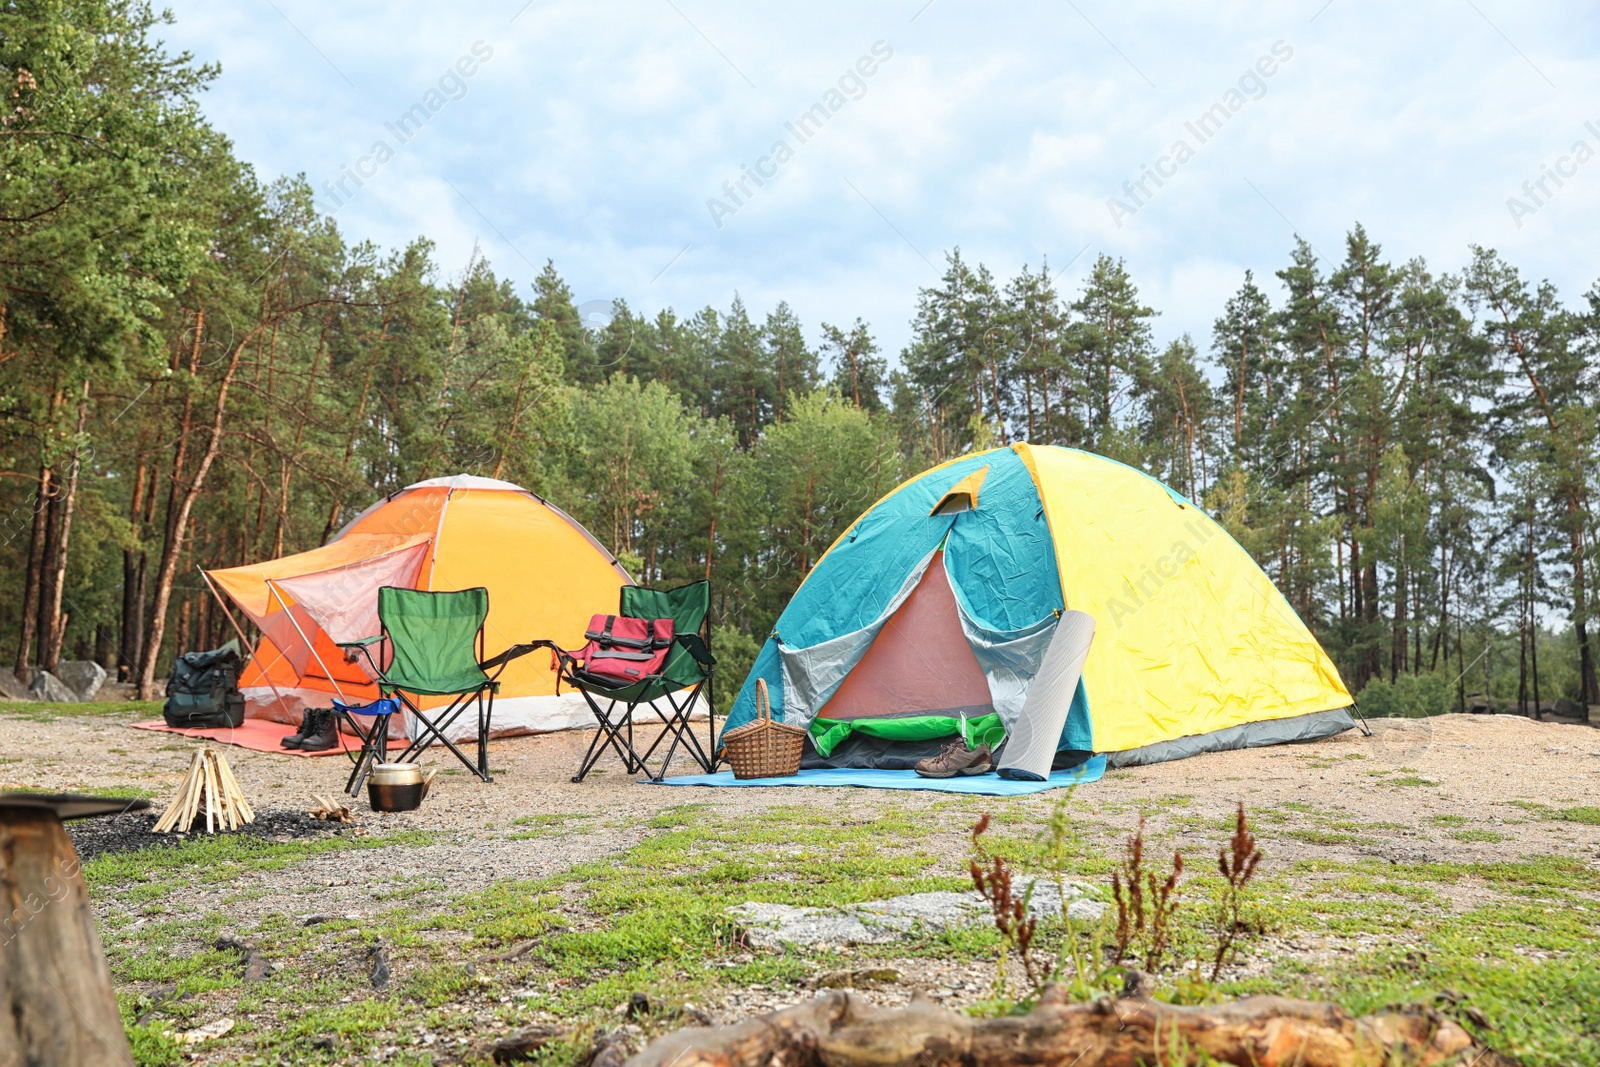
545 575
930 616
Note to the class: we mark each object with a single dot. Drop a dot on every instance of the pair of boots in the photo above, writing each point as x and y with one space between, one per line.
319 731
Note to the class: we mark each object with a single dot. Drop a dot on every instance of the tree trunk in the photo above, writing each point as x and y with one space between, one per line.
1441 637
44 624
1580 608
30 586
1522 650
1533 658
1338 560
1358 607
842 1030
1531 642
185 628
104 650
711 524
1400 640
174 544
58 627
57 1008
131 630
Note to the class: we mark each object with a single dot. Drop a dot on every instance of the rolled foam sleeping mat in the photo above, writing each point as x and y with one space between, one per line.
1032 745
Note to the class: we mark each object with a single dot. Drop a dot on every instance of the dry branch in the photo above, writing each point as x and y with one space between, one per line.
843 1030
209 789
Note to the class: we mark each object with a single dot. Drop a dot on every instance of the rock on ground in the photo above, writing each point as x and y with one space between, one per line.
82 676
881 921
11 689
116 692
46 686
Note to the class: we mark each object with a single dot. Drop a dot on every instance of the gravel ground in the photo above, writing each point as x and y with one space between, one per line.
1481 764
1402 784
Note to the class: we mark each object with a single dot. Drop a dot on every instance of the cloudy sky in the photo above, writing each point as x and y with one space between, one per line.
612 138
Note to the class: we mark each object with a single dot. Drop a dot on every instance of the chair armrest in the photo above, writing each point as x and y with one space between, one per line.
514 652
697 648
362 643
363 647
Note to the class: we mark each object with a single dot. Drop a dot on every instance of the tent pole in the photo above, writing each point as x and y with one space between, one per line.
1366 731
273 588
282 704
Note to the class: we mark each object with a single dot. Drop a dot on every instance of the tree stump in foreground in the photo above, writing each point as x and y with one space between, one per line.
56 1002
844 1030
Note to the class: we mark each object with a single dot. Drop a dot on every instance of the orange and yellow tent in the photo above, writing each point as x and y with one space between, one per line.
546 576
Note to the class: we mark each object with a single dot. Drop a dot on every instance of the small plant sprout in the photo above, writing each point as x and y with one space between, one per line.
1130 910
1237 861
1060 834
1164 904
1144 924
993 880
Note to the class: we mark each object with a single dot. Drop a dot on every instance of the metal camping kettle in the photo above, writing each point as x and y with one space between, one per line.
397 786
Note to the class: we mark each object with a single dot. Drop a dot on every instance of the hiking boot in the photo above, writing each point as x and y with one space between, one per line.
956 759
326 735
308 726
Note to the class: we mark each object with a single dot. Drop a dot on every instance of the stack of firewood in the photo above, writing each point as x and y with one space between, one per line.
330 810
210 789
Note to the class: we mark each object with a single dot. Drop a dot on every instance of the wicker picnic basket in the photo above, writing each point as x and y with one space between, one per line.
763 748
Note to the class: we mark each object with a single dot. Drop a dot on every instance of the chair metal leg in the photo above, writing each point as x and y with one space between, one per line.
374 749
485 714
434 729
682 726
609 736
685 716
606 737
679 726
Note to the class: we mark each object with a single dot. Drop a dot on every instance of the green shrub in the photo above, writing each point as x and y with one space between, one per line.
1411 696
736 653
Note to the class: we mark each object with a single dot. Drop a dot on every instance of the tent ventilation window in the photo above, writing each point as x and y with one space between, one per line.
963 496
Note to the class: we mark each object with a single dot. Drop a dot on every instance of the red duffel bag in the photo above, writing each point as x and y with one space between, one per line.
622 651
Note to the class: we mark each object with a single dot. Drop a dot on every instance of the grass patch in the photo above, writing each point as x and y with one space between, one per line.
656 914
555 819
653 917
1589 816
122 792
1477 834
39 711
149 873
1312 835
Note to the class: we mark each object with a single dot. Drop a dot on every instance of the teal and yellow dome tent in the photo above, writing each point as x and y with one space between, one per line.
928 618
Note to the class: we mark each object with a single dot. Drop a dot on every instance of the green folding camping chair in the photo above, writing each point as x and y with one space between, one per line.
672 694
431 646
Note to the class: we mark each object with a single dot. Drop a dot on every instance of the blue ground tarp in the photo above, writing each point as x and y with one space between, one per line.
992 785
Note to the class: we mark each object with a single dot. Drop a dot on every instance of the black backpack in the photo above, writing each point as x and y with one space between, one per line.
203 692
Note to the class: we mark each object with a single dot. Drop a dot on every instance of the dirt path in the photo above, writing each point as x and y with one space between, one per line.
1396 793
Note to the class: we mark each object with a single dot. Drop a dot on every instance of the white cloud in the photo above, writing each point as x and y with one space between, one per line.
598 130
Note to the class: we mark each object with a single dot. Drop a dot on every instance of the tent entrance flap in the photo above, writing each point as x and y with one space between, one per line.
813 674
302 604
920 662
